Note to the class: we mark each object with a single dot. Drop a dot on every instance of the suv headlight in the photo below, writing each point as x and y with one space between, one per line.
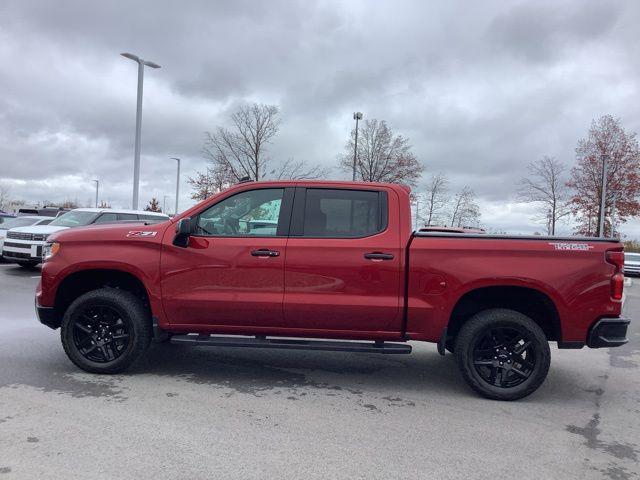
49 250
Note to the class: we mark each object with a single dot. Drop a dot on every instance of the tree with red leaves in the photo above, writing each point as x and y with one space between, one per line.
606 138
381 156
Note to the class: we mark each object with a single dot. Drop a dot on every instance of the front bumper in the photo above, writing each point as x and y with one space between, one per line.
608 332
48 316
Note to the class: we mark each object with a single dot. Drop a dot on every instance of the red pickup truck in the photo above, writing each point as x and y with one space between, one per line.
330 266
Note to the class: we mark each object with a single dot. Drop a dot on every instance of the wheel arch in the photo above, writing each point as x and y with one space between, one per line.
83 281
529 301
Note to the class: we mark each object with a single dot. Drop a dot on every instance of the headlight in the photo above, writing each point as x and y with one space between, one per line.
49 250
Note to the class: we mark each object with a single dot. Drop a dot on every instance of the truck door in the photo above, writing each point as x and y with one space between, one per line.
231 274
343 265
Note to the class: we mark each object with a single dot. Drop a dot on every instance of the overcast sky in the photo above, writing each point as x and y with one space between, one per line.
480 88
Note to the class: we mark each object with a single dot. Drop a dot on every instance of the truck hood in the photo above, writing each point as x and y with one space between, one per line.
46 229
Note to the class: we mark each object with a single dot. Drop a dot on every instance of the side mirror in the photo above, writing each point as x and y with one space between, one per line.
183 232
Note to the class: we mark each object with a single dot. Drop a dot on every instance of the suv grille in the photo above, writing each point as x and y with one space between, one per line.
36 237
19 235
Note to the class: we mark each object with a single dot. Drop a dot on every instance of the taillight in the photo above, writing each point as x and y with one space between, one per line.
617 286
616 258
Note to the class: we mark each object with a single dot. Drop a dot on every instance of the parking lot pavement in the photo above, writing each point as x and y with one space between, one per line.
189 412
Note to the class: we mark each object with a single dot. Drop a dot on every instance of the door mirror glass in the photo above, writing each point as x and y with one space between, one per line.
183 231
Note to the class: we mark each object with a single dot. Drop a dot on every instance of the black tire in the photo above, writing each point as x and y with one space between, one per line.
114 332
28 265
502 354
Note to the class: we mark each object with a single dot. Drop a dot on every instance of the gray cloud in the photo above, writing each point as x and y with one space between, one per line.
480 88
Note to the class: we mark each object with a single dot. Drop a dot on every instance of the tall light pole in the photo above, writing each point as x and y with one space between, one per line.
613 215
356 116
97 188
177 184
136 156
603 193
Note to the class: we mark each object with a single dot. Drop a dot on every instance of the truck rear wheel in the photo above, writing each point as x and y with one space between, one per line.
502 354
106 330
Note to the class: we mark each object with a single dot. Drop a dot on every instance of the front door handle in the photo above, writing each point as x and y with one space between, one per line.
378 256
265 252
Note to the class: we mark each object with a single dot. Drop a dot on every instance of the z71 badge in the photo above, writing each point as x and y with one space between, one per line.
571 246
138 233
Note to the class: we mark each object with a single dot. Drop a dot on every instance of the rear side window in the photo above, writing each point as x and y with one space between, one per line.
336 213
128 216
155 218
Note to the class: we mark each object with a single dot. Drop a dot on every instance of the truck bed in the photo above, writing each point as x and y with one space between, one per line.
569 274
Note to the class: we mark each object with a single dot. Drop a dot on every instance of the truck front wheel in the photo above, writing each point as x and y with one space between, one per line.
105 330
502 354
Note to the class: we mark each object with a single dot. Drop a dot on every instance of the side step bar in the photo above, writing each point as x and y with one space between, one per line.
291 344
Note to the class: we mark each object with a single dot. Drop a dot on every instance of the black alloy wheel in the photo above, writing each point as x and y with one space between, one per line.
106 330
502 354
100 333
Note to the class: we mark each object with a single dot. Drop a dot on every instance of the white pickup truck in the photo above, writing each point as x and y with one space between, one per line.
23 245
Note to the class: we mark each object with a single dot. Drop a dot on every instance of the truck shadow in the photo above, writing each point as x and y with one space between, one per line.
299 373
14 270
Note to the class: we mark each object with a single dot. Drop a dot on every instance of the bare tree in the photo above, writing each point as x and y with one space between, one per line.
546 186
104 204
436 199
5 199
241 150
215 179
298 170
465 212
381 156
153 205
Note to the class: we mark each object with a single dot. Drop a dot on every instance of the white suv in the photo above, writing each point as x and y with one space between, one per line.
25 221
23 245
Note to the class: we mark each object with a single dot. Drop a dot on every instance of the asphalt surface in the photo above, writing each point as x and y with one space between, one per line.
202 412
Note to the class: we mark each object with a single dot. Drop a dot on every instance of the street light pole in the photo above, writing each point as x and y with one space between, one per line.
177 184
356 116
613 215
97 187
603 194
136 156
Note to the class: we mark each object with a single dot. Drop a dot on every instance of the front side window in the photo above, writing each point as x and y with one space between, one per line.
74 219
254 212
342 213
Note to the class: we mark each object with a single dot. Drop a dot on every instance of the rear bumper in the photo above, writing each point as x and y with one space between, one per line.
608 332
48 316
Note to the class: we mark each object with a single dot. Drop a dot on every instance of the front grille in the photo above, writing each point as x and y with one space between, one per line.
19 235
39 237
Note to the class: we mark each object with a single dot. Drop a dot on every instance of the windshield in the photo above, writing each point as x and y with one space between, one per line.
18 222
74 219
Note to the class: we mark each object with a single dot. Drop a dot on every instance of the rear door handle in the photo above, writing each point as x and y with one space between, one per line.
378 256
265 252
